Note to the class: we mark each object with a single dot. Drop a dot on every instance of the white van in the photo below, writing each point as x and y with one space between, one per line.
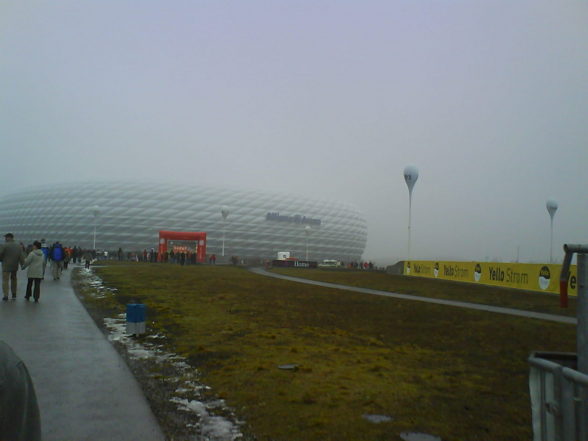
329 263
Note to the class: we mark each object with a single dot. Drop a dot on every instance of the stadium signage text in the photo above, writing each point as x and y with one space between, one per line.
527 276
421 268
297 219
498 274
455 271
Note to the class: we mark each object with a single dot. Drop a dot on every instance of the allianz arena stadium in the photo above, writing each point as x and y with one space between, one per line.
130 215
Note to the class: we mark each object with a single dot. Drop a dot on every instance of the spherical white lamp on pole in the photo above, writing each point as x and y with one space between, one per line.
224 213
411 174
551 206
307 231
95 212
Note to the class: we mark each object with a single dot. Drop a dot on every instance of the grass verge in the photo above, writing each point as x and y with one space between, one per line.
442 289
455 373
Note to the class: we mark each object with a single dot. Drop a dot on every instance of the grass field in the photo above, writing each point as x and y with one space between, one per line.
455 373
444 289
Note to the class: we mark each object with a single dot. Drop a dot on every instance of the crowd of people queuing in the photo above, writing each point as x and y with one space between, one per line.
360 265
180 256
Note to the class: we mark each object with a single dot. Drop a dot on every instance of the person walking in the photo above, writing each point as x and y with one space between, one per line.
11 256
56 254
34 262
87 258
66 257
45 249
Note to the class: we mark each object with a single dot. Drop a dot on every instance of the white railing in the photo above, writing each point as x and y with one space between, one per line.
559 397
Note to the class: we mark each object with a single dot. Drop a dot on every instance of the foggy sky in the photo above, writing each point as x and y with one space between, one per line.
325 99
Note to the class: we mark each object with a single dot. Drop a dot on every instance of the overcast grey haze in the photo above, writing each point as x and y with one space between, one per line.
325 99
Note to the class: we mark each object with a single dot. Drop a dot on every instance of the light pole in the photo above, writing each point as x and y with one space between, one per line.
411 174
307 231
224 213
95 212
551 206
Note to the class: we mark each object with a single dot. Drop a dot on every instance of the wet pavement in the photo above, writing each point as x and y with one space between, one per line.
459 304
84 388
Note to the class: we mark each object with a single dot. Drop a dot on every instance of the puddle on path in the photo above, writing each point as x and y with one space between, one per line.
288 367
418 436
372 418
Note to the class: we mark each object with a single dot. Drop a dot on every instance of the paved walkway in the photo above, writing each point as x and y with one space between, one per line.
496 309
85 390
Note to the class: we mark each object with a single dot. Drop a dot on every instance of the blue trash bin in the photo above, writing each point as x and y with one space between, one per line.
135 318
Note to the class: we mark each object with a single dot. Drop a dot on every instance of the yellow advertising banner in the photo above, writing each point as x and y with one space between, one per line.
527 276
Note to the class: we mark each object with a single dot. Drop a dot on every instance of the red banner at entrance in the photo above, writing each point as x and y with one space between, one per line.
198 237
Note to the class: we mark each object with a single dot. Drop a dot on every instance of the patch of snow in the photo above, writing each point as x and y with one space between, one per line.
216 428
191 405
418 436
372 418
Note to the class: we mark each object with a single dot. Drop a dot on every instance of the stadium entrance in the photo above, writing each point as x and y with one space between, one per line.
183 242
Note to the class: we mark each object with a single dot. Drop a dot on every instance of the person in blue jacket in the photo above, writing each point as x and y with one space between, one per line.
56 255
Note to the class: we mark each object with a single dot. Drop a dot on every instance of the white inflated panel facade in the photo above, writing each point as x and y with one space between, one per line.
130 216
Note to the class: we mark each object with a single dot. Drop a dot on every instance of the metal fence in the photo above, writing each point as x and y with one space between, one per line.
559 397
